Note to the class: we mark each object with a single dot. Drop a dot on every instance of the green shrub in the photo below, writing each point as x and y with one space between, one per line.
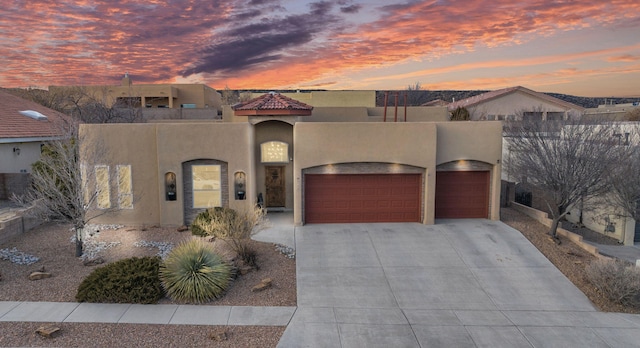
193 272
133 280
617 280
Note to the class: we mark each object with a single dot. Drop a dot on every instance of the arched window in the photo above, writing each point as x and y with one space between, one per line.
274 152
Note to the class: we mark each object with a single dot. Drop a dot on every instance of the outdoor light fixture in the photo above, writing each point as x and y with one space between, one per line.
16 150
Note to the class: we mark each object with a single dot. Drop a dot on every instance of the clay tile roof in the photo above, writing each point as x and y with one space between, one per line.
17 125
273 104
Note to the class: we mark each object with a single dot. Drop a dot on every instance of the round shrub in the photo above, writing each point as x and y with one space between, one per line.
218 222
194 273
133 280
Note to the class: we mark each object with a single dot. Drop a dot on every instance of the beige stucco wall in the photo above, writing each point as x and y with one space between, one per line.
125 144
593 217
155 149
10 162
414 114
474 141
329 143
177 143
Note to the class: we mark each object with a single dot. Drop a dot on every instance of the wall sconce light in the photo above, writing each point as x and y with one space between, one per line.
16 150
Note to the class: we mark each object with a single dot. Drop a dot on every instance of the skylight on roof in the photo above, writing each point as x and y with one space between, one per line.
34 115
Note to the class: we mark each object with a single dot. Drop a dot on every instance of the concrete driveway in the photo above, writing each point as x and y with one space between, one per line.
460 283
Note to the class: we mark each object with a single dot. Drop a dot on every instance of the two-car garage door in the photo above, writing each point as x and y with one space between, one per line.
332 198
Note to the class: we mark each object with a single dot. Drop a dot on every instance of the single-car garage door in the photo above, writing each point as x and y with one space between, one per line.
334 198
462 194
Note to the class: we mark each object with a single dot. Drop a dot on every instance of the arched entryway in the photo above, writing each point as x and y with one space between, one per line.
274 165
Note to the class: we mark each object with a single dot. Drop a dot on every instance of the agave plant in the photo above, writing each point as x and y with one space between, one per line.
193 272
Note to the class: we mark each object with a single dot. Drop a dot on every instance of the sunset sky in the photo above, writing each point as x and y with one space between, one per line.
585 48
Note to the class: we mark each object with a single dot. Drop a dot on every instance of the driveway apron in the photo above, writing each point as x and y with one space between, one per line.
459 283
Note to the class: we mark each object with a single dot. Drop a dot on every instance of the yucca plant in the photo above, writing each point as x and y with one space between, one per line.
193 272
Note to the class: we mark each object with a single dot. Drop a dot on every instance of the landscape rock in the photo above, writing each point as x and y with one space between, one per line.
264 284
47 331
93 262
183 228
219 336
244 269
39 275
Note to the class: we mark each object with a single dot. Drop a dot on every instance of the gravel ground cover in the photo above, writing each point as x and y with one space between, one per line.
569 258
53 245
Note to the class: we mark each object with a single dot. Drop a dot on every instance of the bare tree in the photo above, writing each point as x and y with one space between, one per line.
565 161
95 106
89 104
415 95
229 96
460 114
415 87
59 191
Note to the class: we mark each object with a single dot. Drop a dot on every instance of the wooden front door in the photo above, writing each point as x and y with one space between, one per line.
274 185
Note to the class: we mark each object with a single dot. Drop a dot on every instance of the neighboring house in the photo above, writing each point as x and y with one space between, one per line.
516 103
24 127
613 112
597 214
197 101
325 164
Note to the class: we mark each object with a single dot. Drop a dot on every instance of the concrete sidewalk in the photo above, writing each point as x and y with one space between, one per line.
622 252
460 283
73 312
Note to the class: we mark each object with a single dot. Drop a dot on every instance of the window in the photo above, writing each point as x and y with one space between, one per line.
125 192
274 152
206 186
103 194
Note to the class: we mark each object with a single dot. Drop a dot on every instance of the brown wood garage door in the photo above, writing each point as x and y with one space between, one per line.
462 194
334 198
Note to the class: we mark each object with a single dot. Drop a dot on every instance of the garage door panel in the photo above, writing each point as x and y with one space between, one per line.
463 194
368 197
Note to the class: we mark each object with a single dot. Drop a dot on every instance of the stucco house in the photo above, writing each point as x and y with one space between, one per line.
154 101
326 164
24 127
516 103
